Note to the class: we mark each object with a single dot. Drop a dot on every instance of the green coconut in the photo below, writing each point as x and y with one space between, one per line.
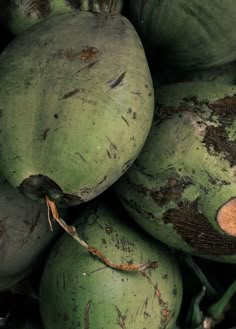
25 235
192 34
182 188
78 291
19 15
76 106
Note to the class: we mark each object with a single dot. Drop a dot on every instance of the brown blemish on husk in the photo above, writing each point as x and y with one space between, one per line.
88 53
216 139
41 8
226 217
197 231
171 191
86 315
225 108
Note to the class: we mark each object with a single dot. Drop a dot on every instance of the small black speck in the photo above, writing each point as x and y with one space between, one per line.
56 116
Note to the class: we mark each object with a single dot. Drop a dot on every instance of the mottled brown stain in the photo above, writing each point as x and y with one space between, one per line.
225 108
171 191
216 141
40 8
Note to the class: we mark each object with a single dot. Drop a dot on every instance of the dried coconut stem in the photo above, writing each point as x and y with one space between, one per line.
73 233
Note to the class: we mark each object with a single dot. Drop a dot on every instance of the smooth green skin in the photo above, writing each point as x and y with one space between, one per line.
73 279
194 34
173 151
25 235
60 115
19 15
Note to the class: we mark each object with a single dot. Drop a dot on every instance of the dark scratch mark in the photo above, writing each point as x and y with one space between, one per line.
81 156
97 270
88 66
45 133
109 154
113 145
120 319
86 315
117 81
125 120
70 93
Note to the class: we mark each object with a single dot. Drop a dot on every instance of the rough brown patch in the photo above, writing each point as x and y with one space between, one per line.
216 139
40 8
225 108
197 231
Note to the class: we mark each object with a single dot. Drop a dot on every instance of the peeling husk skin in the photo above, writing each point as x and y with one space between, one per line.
194 34
19 15
76 100
78 290
186 171
24 235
